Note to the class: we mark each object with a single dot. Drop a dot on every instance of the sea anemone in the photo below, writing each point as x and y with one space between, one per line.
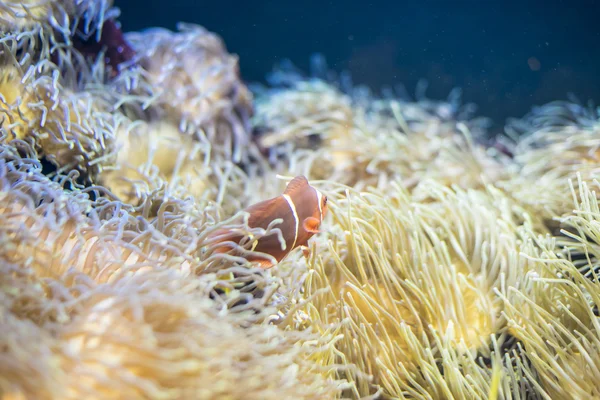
155 337
551 150
169 164
164 158
388 261
70 34
555 311
197 86
399 140
88 272
71 130
580 237
18 117
67 230
29 367
445 268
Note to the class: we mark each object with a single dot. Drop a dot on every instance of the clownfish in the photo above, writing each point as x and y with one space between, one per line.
302 209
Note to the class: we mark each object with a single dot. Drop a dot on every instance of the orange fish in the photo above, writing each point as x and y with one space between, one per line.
302 209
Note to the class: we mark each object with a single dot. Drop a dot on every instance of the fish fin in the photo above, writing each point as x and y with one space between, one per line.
265 264
311 225
222 249
305 251
262 213
296 184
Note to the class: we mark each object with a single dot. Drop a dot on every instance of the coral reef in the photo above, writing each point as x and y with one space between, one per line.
450 265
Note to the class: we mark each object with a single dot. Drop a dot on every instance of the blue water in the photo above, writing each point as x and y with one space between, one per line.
507 56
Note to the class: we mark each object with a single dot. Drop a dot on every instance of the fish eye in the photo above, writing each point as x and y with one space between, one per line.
324 200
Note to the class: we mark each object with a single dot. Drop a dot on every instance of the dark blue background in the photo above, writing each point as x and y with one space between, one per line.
481 46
